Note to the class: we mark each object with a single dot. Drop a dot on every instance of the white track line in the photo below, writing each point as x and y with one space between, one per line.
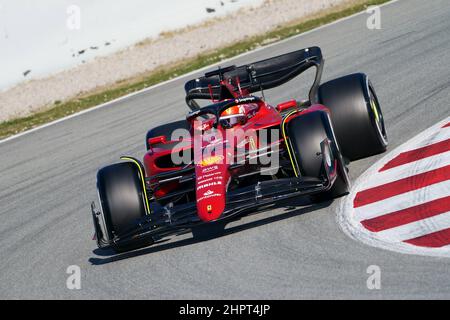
187 75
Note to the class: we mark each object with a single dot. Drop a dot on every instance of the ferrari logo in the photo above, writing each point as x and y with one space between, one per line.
209 208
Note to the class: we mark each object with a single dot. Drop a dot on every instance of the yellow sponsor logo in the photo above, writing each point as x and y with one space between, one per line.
211 160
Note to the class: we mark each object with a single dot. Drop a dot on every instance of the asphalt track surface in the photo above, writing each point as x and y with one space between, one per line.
47 181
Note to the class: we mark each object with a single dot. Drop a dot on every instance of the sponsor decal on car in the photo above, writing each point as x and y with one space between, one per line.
211 161
210 169
207 185
245 100
207 193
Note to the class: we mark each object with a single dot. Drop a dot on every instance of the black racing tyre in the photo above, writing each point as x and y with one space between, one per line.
166 130
306 133
356 116
122 200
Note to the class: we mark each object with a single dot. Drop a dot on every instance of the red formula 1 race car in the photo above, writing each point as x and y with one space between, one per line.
239 153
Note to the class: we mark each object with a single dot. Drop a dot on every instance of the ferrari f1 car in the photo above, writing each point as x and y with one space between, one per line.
239 153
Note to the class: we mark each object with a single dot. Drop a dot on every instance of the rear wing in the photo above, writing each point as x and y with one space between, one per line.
255 77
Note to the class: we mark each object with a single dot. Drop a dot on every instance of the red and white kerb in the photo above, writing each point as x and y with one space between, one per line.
404 199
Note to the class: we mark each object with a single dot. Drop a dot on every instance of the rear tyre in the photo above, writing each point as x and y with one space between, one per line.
306 133
122 200
356 115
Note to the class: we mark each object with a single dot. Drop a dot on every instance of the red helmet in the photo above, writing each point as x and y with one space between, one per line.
232 116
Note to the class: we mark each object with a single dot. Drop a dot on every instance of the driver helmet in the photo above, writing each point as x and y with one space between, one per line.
232 116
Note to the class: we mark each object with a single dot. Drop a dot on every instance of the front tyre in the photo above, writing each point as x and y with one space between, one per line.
306 133
122 200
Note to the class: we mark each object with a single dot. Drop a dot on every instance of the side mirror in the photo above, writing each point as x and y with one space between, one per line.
157 140
286 105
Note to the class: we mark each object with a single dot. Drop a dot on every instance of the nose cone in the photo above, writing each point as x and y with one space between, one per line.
210 212
212 176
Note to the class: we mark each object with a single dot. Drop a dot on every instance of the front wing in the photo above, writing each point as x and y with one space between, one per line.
167 220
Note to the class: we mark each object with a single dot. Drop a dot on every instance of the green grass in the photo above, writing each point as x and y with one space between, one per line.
61 109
